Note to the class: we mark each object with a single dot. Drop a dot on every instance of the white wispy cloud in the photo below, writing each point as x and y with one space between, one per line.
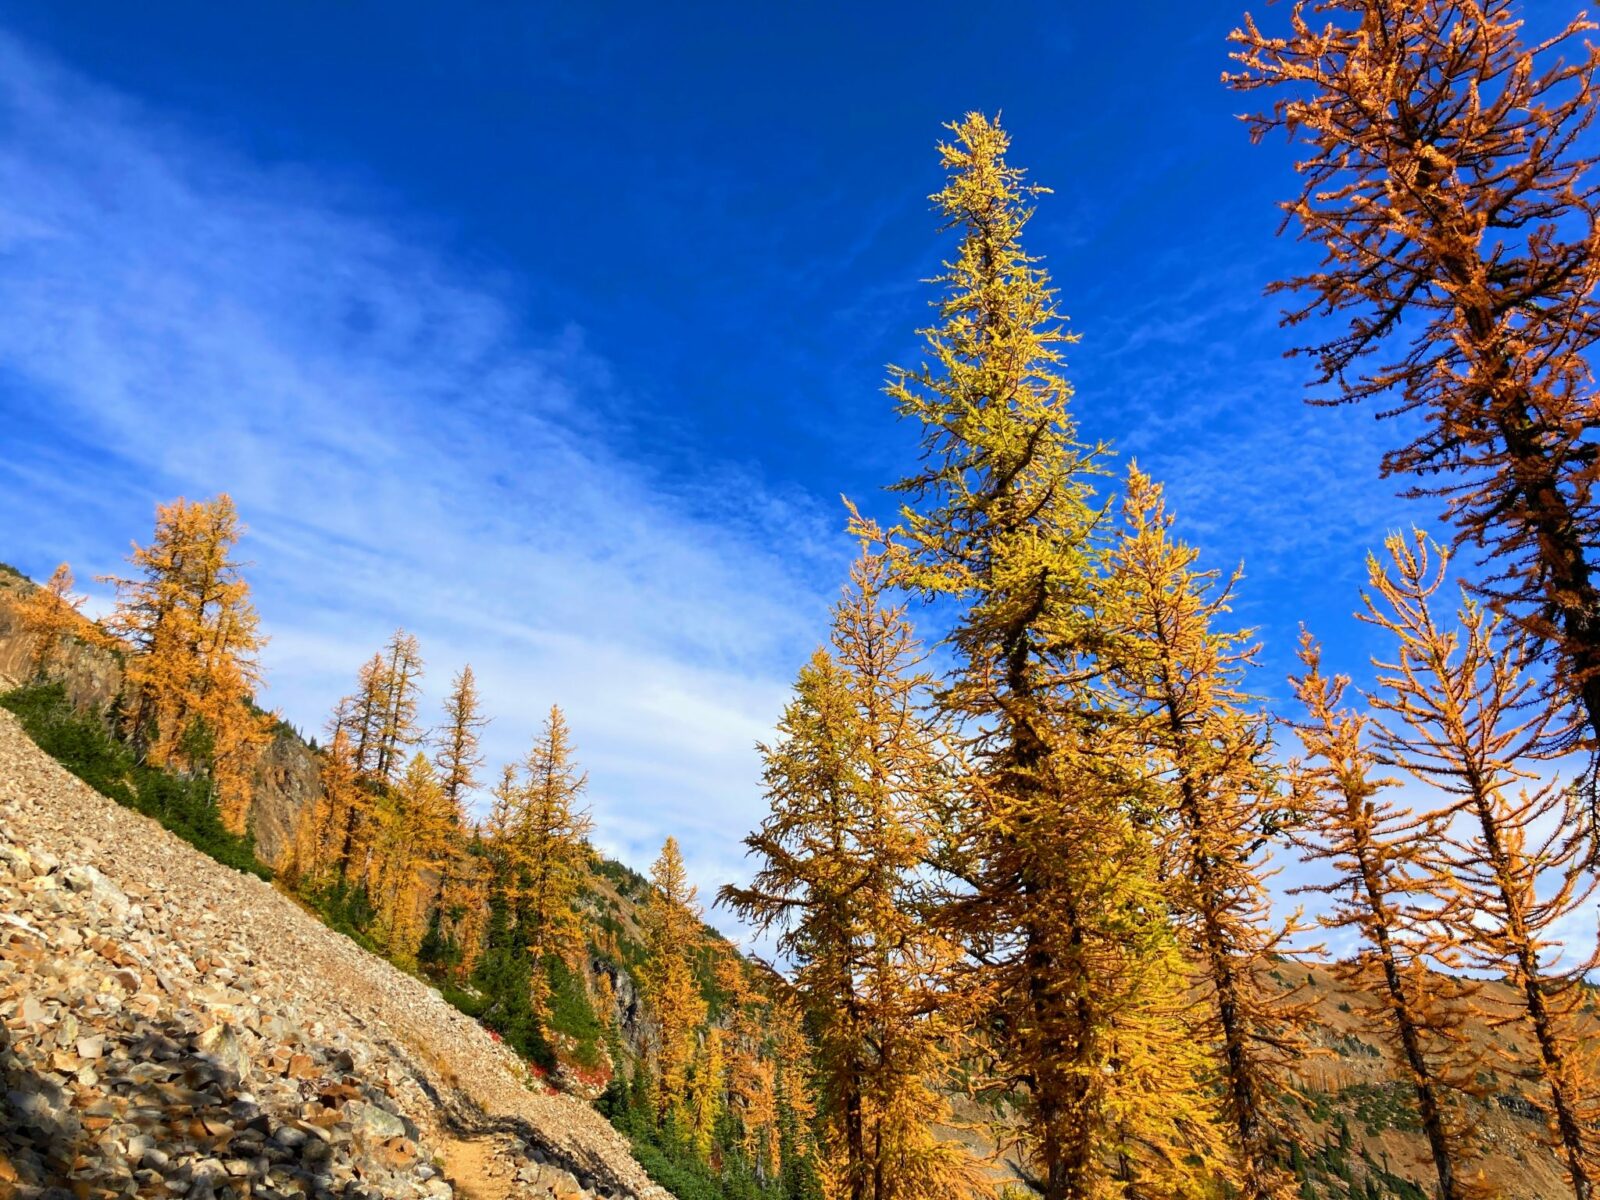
405 449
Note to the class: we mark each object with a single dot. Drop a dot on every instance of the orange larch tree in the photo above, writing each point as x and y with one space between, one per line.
1512 861
458 756
48 615
1377 851
193 630
1214 796
399 693
668 983
1445 174
853 781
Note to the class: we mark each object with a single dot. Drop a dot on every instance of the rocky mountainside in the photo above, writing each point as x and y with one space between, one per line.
286 780
173 1027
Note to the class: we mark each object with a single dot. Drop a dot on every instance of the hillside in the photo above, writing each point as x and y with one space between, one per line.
321 1030
170 1019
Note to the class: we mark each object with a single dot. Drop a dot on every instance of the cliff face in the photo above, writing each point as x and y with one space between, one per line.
288 775
93 676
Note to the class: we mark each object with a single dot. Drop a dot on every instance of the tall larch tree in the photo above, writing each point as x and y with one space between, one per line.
193 630
48 615
549 850
1213 794
853 780
1376 852
399 684
365 715
752 1079
1058 895
459 756
1513 860
1445 173
668 982
414 837
330 831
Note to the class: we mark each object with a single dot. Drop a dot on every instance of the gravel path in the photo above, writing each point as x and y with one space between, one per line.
235 973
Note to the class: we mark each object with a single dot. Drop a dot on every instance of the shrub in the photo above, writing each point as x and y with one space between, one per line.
81 742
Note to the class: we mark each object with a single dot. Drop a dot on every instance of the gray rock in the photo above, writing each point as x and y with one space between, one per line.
373 1123
89 880
222 1044
17 861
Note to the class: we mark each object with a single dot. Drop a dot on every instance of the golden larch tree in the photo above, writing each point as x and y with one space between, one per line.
193 631
853 780
1377 853
1214 796
1444 172
415 836
459 756
667 981
399 693
48 615
752 1080
1058 892
1512 861
548 850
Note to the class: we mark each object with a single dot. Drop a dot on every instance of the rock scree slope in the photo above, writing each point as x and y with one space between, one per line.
170 1027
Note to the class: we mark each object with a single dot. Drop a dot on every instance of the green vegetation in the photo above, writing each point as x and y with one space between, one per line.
81 742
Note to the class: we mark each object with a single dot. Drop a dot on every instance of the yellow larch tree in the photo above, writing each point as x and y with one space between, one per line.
399 691
415 835
667 981
1376 850
48 615
328 831
462 896
363 712
707 1084
459 756
1445 174
193 631
1058 896
548 851
856 772
1213 795
752 1080
1512 861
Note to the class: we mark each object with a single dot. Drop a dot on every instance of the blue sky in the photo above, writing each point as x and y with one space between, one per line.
556 335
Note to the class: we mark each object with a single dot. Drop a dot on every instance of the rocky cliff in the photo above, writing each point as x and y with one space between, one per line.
286 780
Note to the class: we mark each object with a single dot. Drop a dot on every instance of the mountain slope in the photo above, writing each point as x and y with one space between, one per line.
156 1000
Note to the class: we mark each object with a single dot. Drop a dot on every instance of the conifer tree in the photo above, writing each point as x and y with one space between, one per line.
1376 850
332 819
667 981
48 615
857 767
460 915
188 616
1214 795
399 687
752 1080
366 715
549 849
1445 174
1512 859
459 757
413 838
706 1098
1059 899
